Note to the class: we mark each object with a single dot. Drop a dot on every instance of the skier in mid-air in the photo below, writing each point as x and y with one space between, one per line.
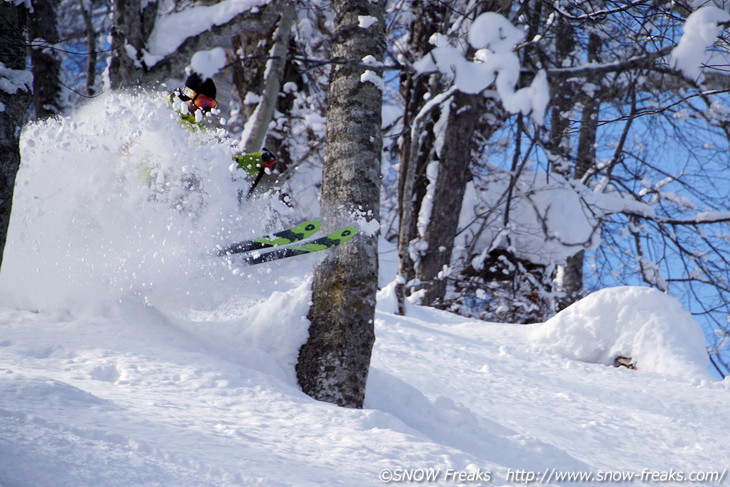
195 100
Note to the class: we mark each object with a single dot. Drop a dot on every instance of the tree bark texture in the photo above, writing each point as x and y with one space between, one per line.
131 28
418 138
563 100
14 101
334 362
43 34
86 12
453 174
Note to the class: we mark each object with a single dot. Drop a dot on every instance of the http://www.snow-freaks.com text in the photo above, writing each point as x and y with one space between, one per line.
550 475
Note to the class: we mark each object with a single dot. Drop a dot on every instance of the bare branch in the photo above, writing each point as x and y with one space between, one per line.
600 14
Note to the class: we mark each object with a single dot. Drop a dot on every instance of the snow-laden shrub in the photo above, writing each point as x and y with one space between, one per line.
638 322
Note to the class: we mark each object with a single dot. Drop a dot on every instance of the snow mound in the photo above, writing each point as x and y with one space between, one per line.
118 200
650 327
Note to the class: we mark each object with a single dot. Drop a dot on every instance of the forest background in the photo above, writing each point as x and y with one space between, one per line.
578 145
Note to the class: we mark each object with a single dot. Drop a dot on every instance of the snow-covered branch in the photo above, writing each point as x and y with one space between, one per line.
310 63
496 63
704 218
586 70
700 31
15 80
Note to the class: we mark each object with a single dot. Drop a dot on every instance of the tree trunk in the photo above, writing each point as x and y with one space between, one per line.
131 27
86 12
563 100
15 96
452 163
334 362
452 175
43 34
417 141
571 283
264 113
249 67
412 189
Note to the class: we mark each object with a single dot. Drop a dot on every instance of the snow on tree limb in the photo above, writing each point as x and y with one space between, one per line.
173 30
700 31
495 37
14 80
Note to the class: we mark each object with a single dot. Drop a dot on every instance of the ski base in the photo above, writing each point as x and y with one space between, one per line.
284 237
318 244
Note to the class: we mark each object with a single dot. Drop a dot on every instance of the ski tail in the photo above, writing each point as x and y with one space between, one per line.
284 237
316 245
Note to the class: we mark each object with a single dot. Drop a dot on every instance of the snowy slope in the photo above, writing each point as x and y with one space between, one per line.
129 356
138 397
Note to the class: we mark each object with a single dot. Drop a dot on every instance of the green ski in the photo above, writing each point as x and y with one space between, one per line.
284 237
322 243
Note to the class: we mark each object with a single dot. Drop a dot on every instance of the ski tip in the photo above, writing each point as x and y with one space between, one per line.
345 233
308 227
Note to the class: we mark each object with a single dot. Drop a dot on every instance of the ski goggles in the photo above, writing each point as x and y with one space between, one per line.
203 102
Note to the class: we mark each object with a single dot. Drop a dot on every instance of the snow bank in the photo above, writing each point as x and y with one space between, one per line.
119 201
118 211
638 322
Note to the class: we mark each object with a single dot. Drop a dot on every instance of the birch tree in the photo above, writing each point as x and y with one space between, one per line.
334 362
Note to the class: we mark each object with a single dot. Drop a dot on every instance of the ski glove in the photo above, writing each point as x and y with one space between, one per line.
268 158
253 162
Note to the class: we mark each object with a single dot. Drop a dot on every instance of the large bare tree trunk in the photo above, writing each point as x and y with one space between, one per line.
15 96
43 34
334 362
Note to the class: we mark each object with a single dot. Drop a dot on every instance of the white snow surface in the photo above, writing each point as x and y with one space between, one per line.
642 323
130 356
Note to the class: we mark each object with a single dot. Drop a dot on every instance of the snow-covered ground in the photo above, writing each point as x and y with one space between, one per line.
130 356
